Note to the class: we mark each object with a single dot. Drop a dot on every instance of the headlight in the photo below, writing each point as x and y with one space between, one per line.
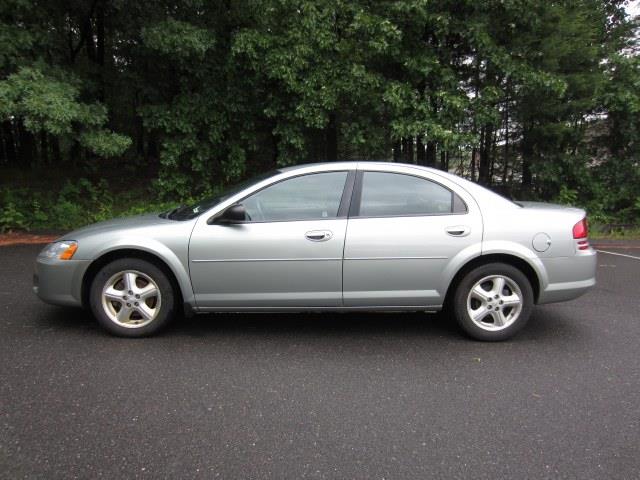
61 250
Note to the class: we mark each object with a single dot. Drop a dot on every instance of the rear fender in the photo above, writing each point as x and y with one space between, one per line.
504 247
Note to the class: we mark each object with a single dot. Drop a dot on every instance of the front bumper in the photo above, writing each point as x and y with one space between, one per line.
569 277
59 282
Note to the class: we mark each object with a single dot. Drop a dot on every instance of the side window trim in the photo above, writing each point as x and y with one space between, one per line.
356 198
347 195
354 211
344 199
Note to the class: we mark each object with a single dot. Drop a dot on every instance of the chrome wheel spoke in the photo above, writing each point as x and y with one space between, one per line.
511 300
145 312
479 293
148 291
113 295
499 320
479 314
498 286
124 314
129 279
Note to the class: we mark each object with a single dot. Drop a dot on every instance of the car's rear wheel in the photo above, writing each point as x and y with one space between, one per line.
493 302
131 297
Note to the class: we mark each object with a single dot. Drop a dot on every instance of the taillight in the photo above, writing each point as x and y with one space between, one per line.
580 229
580 233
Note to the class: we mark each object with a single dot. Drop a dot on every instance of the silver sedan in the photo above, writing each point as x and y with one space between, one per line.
335 236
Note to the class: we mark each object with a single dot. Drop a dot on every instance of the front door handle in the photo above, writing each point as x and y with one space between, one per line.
458 231
318 235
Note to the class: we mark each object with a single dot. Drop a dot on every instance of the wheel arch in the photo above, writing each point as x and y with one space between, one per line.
129 252
518 262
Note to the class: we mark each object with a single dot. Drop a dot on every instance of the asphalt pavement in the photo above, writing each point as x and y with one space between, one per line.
345 396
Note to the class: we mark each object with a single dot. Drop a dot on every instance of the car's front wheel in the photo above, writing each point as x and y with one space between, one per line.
131 297
493 302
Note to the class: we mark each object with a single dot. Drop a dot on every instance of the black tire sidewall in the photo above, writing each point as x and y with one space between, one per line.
159 277
467 282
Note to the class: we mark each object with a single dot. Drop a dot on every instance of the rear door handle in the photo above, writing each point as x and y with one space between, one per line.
458 231
318 235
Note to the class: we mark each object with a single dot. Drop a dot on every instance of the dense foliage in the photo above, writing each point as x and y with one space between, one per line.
167 99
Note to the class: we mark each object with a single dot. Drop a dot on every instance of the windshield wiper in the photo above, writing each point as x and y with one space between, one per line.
169 214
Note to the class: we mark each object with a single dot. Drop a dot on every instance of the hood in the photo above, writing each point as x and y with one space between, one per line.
138 221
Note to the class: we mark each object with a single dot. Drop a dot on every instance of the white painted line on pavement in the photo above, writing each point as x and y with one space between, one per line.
619 254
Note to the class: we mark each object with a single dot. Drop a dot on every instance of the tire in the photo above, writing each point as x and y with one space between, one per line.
493 302
131 297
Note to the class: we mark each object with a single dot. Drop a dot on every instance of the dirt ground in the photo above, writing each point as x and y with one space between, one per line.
23 238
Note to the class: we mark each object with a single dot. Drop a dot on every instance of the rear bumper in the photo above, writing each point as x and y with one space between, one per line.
59 282
569 277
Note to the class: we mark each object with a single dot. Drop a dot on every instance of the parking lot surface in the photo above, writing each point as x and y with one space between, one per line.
359 396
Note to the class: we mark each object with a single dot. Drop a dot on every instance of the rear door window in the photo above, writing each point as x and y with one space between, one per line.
393 194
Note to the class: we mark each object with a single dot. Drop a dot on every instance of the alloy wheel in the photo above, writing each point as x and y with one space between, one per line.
494 302
131 299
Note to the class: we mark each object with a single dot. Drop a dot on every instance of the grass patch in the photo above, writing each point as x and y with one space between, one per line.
607 232
75 204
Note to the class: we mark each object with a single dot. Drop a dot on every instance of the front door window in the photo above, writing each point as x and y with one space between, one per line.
308 197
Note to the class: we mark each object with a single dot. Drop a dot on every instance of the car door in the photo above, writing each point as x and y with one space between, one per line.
403 231
288 253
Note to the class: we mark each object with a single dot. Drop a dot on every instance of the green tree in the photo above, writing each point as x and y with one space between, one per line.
525 96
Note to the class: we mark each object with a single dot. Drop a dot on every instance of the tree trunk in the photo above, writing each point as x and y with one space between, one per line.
100 48
485 153
526 173
397 151
55 150
408 150
332 139
9 142
472 165
421 154
44 147
492 155
89 40
474 128
527 158
75 154
275 143
27 150
505 166
153 152
139 139
431 154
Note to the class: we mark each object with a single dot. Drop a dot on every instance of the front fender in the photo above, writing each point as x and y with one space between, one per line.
158 249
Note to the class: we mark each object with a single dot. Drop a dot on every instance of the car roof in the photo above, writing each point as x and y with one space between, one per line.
352 164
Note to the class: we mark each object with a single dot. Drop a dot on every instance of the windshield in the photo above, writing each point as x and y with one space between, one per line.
187 212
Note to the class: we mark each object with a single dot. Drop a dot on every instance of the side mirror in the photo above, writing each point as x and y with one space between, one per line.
233 214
